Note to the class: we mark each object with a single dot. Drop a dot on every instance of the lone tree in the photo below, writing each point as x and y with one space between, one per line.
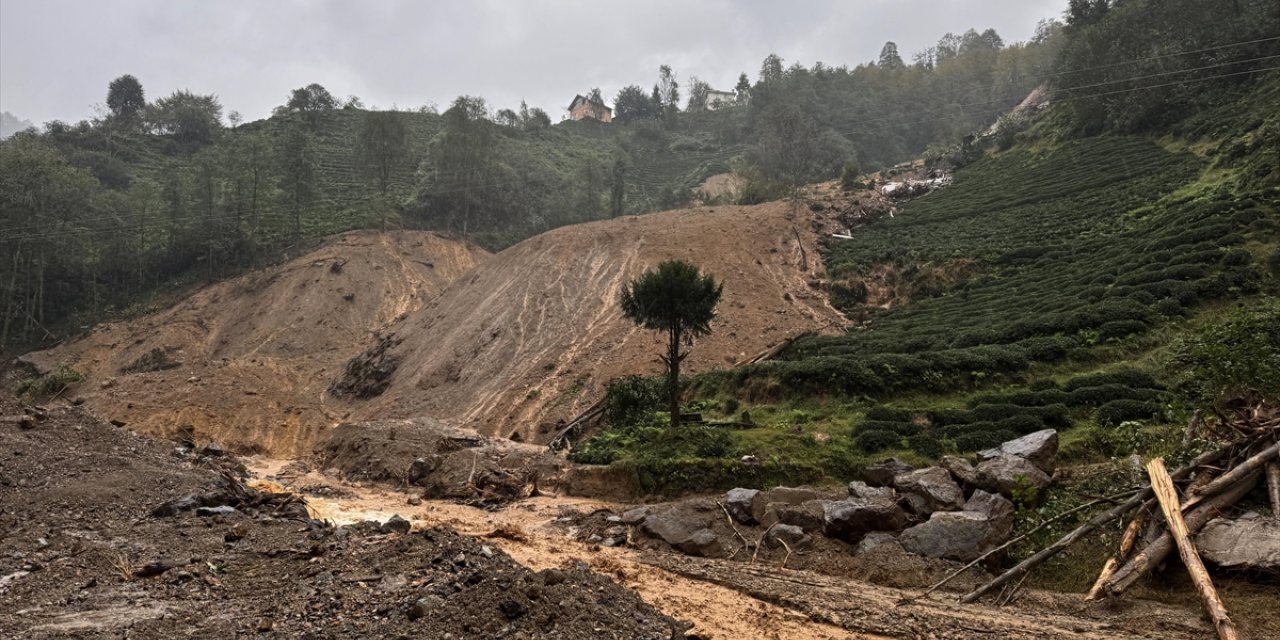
680 300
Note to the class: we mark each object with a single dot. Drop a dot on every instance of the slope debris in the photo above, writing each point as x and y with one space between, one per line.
248 362
533 336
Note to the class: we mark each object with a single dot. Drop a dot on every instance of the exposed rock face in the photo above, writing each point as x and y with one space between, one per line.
850 519
954 535
881 474
684 528
961 470
996 508
807 515
781 496
738 502
1244 543
1005 473
1040 448
935 485
859 489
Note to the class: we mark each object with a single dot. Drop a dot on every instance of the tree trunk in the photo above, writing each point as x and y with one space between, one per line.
12 294
1273 487
673 367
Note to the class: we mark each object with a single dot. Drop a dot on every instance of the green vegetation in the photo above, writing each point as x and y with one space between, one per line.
48 385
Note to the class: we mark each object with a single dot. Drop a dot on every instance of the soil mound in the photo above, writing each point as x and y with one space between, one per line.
247 362
533 335
86 553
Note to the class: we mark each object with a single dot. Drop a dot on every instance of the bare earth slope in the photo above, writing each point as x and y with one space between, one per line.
533 335
248 360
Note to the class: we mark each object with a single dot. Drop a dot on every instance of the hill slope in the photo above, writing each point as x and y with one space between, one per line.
535 334
246 362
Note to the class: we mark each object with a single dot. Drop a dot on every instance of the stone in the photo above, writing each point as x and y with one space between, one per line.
738 503
881 474
212 450
794 536
635 516
176 506
852 518
954 535
961 469
996 508
685 529
396 525
807 515
1242 543
860 489
421 469
206 512
935 485
782 495
1039 448
1005 474
875 540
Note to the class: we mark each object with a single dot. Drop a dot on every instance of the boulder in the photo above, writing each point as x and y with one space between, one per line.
808 515
634 516
954 535
935 485
421 469
1006 473
875 540
852 518
396 525
963 472
881 474
860 489
738 503
792 535
782 495
996 508
1040 448
685 529
1243 543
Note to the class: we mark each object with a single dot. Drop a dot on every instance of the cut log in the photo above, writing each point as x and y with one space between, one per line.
1273 487
1126 545
1167 495
1233 476
1117 512
1156 552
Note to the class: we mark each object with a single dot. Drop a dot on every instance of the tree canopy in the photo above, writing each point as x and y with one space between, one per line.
125 99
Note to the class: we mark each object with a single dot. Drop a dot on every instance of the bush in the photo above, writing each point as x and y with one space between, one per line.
630 400
1120 329
1104 393
873 441
926 444
980 440
1117 411
49 384
849 177
1127 377
1238 354
889 414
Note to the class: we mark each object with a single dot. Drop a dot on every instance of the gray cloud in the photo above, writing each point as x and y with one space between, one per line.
57 56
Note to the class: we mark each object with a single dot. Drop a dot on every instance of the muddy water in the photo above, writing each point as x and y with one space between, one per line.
715 611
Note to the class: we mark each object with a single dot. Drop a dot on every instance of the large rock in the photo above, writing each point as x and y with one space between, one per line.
1245 543
684 528
996 508
852 518
808 515
935 485
881 474
738 503
1040 448
779 495
859 489
875 540
1005 474
954 535
962 470
793 536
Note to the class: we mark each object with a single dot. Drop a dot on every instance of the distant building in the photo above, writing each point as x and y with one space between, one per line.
720 99
584 108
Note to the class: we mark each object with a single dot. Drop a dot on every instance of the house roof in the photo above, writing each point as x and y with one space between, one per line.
581 98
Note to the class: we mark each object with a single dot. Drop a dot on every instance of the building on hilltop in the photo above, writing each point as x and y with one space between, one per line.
584 108
721 99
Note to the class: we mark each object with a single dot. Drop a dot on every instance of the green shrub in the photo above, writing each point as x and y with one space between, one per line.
50 384
630 400
1120 329
873 441
980 440
889 414
1239 353
1127 377
849 177
927 444
1117 411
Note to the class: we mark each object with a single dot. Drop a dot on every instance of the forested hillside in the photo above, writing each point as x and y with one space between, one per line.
100 216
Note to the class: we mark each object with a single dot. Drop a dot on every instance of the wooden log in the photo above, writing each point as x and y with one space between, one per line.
1233 476
1155 553
1167 495
1024 567
1273 487
1126 545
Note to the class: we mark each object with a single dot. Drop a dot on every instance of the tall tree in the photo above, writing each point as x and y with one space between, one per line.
310 102
771 68
190 118
676 299
742 89
382 144
126 100
698 93
889 58
633 104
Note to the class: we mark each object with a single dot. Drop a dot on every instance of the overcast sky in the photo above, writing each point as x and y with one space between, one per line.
57 56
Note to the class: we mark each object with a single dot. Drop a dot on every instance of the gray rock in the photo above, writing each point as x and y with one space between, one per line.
954 535
176 506
396 525
1243 543
224 510
808 515
212 450
792 535
1040 448
852 518
961 470
935 485
635 516
685 529
421 469
860 489
996 508
1006 473
738 503
781 495
881 474
875 540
